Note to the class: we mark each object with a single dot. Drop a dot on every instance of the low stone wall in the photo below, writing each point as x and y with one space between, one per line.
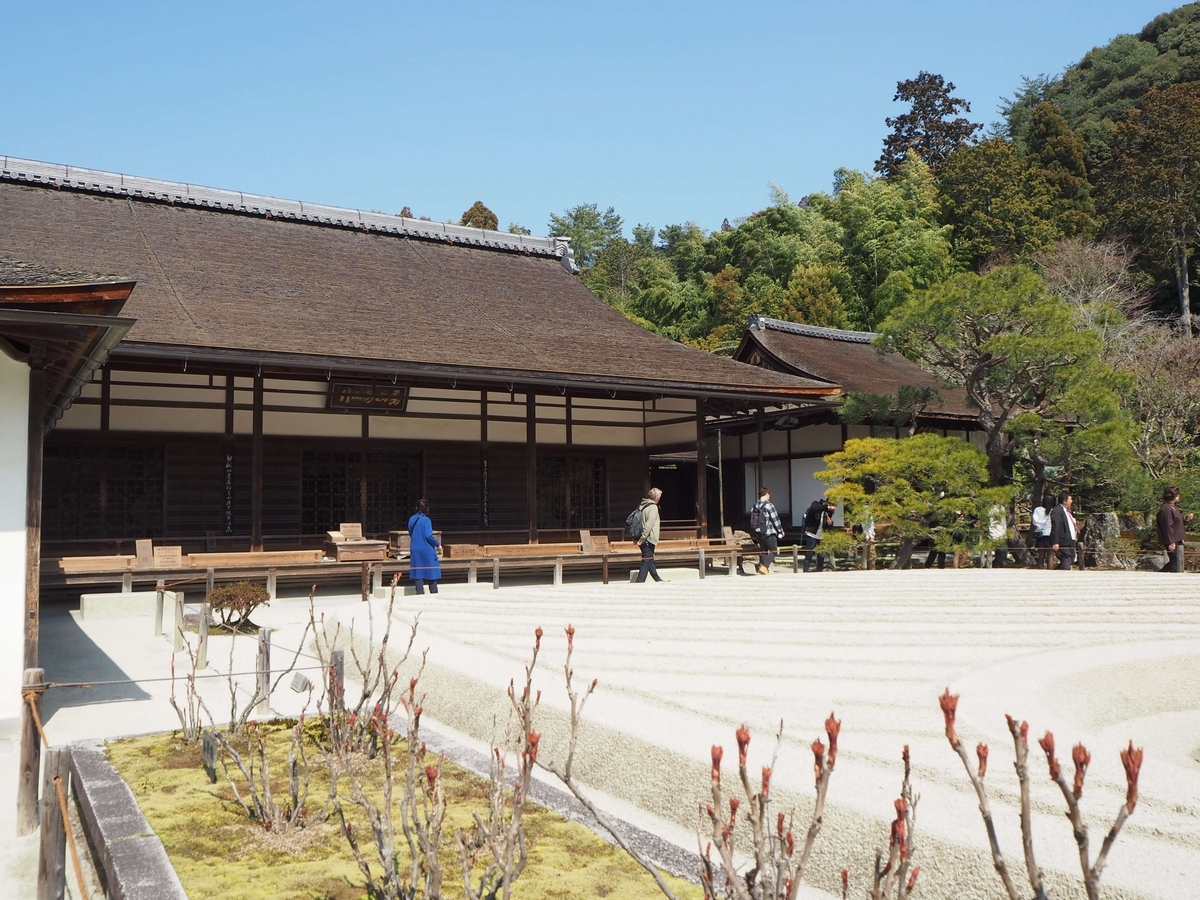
130 858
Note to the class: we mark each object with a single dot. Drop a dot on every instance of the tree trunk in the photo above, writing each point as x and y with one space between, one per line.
1182 282
904 554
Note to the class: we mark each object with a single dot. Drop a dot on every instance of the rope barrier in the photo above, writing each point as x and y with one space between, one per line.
92 684
30 696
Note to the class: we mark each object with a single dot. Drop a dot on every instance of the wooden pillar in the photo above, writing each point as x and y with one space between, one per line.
570 429
33 513
105 398
758 476
31 756
701 473
256 467
531 462
484 523
362 473
52 858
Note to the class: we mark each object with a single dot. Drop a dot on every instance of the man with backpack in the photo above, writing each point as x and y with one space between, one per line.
766 528
817 518
646 523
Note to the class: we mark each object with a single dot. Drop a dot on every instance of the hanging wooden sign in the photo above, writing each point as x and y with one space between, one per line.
386 397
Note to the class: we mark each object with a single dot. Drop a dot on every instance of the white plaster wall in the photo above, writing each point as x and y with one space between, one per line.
310 424
414 428
817 439
14 424
775 480
600 436
156 418
666 435
806 488
80 417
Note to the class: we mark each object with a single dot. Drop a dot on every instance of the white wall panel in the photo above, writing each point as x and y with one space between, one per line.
80 416
156 418
408 427
775 480
806 488
664 435
551 434
506 432
14 424
600 436
817 439
311 424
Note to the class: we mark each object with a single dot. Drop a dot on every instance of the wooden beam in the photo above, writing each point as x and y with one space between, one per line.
484 516
33 514
701 475
256 467
532 462
105 398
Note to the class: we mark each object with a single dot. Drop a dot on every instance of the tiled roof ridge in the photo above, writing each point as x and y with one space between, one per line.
13 168
765 323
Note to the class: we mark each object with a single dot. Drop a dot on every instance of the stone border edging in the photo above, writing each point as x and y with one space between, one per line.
669 857
132 860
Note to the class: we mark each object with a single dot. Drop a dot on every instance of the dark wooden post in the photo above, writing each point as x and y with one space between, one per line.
484 523
263 668
31 757
256 467
210 581
531 461
202 644
337 678
366 580
758 473
52 860
33 513
701 473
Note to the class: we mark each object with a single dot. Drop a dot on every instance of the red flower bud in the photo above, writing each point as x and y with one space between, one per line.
734 803
570 636
845 880
790 840
431 774
949 704
1131 759
1047 744
717 753
534 737
743 741
779 824
818 750
981 751
1081 758
832 728
595 681
711 812
766 781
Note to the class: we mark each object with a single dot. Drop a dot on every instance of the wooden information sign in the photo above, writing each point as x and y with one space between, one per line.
168 557
351 531
145 553
384 397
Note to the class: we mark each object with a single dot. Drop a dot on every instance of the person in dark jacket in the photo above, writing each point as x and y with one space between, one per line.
772 531
425 549
817 518
1170 523
1064 533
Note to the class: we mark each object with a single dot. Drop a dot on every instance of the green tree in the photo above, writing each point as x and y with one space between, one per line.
479 216
927 128
589 229
1058 154
1153 183
1000 206
921 485
891 238
1025 365
813 296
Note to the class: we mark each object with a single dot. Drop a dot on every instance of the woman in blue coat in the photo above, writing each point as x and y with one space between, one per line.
425 549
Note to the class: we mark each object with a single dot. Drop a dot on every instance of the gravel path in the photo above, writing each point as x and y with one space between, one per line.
1096 657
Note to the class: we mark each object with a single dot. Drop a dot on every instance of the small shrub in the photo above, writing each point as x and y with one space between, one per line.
234 603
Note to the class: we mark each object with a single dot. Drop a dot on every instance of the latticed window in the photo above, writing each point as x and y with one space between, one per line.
571 492
393 489
338 484
102 492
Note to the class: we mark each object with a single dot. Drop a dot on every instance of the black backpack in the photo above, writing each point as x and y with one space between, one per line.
758 521
633 524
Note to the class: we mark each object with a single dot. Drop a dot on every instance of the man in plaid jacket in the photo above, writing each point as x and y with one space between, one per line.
769 532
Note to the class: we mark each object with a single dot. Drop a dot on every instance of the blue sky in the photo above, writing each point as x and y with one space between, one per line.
668 112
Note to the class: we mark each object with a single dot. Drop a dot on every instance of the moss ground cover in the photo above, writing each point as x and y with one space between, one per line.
220 853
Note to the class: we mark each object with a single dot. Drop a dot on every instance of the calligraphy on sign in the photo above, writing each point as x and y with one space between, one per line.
386 397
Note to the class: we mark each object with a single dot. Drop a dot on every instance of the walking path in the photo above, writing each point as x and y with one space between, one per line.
1100 658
